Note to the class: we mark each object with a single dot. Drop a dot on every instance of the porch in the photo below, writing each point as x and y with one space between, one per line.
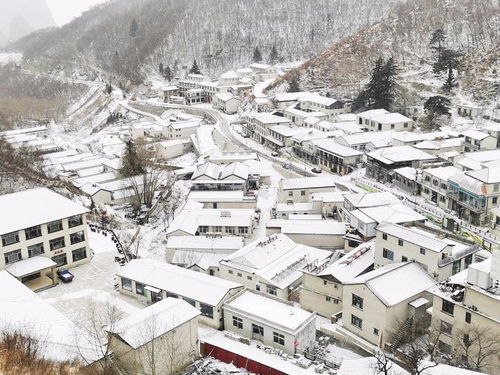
37 273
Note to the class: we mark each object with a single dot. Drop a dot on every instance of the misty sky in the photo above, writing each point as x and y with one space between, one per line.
64 11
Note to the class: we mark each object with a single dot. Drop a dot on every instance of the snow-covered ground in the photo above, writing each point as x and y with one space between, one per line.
10 57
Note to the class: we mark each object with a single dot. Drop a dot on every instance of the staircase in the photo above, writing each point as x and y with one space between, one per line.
116 365
402 332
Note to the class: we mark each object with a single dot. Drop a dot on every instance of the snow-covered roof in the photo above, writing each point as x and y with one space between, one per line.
397 154
209 169
385 282
277 259
394 213
35 129
273 312
28 208
225 97
185 124
186 283
308 226
366 137
30 265
220 196
84 164
174 142
390 118
267 118
153 321
229 75
236 169
372 112
318 99
407 172
204 243
290 96
475 134
290 131
420 238
489 175
362 200
469 183
329 197
351 265
95 179
329 145
23 310
204 260
351 117
307 183
305 114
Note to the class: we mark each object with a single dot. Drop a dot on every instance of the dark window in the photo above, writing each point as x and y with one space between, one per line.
444 348
207 310
56 243
61 260
127 284
75 221
79 254
10 238
404 259
257 287
357 322
467 261
54 226
139 288
448 307
33 232
278 338
77 237
192 302
455 267
400 242
468 317
237 322
13 256
446 327
357 301
271 290
257 330
466 339
375 331
384 236
422 251
35 250
172 295
388 254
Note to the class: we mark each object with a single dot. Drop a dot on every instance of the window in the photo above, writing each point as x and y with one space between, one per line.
54 226
375 331
230 272
218 229
127 284
139 289
446 327
404 259
384 236
75 221
207 310
192 302
302 193
61 260
33 232
76 237
257 330
494 200
79 254
325 282
278 338
467 261
249 277
257 287
388 254
448 307
357 301
330 299
422 251
56 243
35 250
242 230
172 295
230 230
444 348
356 322
239 274
455 268
468 317
203 229
466 339
12 256
271 290
237 322
290 193
400 242
10 238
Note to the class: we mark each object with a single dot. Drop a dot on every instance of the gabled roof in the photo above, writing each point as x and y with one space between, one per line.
391 155
234 169
386 282
419 238
153 321
209 169
489 175
442 173
360 200
329 145
267 118
307 183
476 134
395 213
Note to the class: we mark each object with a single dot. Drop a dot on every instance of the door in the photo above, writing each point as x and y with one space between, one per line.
257 332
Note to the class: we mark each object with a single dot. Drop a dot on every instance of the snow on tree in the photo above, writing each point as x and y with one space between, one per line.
273 56
167 73
257 56
448 62
134 28
194 68
293 84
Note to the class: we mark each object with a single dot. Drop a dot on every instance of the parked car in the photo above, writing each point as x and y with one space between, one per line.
275 153
287 165
65 276
316 170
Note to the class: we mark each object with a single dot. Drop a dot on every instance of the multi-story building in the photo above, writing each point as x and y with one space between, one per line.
257 125
435 184
466 311
476 140
381 120
295 190
337 158
41 231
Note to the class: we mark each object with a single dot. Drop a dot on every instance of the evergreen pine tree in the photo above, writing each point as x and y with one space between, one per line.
437 41
134 27
160 68
194 69
273 56
116 64
257 56
448 61
167 73
293 84
438 105
388 84
131 163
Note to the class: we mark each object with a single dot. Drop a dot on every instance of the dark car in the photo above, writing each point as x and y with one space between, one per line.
65 276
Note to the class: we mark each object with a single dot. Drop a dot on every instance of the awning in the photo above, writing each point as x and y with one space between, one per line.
29 266
152 289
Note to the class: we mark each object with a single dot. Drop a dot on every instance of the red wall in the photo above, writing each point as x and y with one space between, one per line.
237 360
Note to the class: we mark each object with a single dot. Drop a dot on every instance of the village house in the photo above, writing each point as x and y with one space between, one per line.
337 158
262 72
377 304
271 265
331 203
180 129
442 146
257 125
273 322
441 257
467 110
210 176
299 116
354 201
471 161
317 103
435 184
224 199
380 164
359 141
466 309
166 93
226 103
296 190
476 140
161 338
150 281
286 210
376 120
285 100
282 135
408 179
322 283
173 148
346 127
41 232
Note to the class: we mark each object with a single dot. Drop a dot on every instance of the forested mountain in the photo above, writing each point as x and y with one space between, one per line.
21 17
220 34
471 27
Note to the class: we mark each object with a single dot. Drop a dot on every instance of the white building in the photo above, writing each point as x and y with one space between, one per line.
171 149
382 120
151 281
273 322
41 231
271 265
258 124
299 189
435 184
226 103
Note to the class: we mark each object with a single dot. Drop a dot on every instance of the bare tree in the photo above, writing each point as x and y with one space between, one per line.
476 347
383 364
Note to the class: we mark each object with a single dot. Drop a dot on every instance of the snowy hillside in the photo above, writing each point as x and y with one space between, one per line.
220 34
